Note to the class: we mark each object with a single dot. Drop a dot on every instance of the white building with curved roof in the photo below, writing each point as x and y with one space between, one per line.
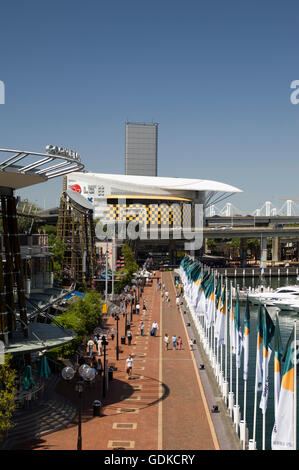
99 187
162 210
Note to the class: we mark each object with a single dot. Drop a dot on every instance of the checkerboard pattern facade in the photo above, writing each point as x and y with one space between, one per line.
159 215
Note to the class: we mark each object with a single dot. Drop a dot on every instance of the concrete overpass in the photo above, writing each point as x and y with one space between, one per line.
251 220
250 232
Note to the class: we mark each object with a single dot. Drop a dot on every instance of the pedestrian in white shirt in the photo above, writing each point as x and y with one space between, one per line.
155 327
129 366
90 346
99 346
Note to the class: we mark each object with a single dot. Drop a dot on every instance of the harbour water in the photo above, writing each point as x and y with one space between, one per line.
286 323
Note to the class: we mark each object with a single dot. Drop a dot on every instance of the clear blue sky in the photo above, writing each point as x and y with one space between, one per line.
215 74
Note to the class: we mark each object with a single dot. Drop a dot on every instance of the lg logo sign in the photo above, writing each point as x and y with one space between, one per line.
76 188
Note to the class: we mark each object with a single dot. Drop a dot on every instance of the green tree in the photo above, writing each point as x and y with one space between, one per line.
130 267
58 248
211 244
49 229
7 395
254 247
234 245
82 316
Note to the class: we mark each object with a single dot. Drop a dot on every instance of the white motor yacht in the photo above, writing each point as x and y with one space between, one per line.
286 293
286 304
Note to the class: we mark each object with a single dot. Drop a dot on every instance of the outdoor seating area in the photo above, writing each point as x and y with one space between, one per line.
31 383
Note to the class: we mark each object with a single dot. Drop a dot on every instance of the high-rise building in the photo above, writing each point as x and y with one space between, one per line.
141 149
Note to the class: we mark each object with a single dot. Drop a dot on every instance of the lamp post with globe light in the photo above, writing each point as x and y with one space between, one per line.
104 343
117 346
87 374
115 311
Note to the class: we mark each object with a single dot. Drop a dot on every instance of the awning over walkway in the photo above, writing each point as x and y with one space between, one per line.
41 336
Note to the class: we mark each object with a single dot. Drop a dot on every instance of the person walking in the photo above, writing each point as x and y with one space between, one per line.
180 342
174 341
142 328
137 308
191 344
177 301
99 344
90 344
167 296
144 304
155 327
129 336
166 341
129 366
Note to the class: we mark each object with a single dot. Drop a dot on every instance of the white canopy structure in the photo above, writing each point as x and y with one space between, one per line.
97 187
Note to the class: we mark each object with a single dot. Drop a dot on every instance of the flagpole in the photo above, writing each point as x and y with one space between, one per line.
253 444
231 393
238 358
230 340
264 430
213 326
263 391
246 332
245 404
221 346
295 386
226 327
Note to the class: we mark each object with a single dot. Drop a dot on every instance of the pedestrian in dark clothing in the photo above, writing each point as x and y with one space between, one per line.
130 336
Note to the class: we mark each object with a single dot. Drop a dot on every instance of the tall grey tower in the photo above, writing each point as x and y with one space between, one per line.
141 149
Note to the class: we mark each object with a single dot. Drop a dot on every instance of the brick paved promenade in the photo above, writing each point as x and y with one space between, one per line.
162 407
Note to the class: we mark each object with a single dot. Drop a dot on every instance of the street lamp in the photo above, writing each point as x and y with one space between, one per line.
126 318
131 309
86 374
104 343
117 347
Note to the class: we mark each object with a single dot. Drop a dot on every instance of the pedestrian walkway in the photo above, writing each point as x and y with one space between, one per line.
162 406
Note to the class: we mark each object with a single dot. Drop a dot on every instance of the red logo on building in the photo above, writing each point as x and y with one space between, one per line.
76 188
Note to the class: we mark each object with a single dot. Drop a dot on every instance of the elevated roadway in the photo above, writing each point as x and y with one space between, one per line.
251 220
251 232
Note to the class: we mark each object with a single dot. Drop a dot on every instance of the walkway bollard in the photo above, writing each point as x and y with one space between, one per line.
243 433
251 444
231 402
225 390
220 379
237 416
97 405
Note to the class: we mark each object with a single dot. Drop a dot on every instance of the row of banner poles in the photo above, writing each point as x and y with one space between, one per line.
219 327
